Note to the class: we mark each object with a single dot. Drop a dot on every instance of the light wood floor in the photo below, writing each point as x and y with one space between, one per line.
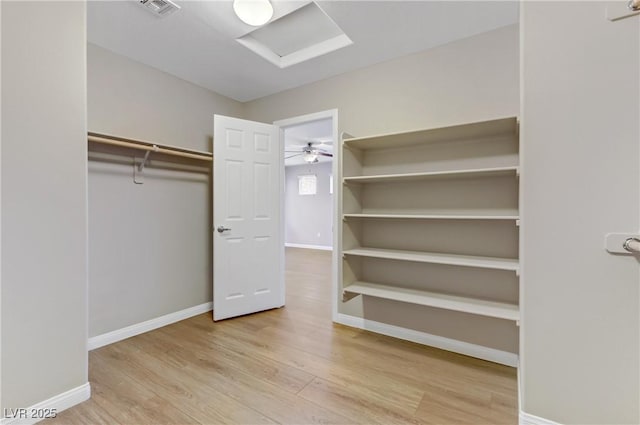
290 366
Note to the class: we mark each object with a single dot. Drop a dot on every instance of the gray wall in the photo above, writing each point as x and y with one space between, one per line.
581 139
44 200
150 245
308 218
467 80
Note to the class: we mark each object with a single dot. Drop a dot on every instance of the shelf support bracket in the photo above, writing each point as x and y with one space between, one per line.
138 169
347 296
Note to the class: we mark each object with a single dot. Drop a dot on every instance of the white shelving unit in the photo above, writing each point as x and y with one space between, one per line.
444 197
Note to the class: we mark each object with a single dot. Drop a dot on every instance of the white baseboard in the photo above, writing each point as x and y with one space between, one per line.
527 419
461 347
300 245
56 403
149 325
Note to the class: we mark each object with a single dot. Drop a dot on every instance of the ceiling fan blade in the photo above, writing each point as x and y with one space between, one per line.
291 156
292 151
325 154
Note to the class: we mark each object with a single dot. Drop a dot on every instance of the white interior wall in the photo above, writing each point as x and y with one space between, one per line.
308 218
150 244
44 200
468 80
580 141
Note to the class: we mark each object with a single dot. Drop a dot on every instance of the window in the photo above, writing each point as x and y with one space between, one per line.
307 184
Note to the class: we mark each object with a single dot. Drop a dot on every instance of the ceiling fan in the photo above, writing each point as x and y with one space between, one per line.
310 152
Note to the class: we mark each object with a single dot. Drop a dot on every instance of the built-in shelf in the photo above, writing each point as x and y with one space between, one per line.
471 173
435 216
481 130
432 299
437 258
434 194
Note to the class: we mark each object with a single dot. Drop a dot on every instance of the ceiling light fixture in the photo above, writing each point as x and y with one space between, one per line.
253 12
310 157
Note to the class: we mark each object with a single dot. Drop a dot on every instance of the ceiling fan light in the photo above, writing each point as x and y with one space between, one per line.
253 12
310 157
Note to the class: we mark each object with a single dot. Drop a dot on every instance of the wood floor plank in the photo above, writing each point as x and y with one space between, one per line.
408 366
347 375
89 412
277 373
356 401
206 404
461 407
271 400
292 366
414 373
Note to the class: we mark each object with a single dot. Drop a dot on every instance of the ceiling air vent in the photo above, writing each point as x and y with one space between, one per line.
160 8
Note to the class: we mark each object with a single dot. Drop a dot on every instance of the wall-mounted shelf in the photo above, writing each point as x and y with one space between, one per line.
472 173
434 216
473 131
432 299
437 258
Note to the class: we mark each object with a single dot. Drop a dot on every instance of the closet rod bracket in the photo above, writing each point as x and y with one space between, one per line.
138 169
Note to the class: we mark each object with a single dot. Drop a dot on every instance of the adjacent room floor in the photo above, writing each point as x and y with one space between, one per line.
291 365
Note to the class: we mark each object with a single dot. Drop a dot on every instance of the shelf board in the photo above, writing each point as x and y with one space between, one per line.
437 258
435 216
478 130
432 299
470 173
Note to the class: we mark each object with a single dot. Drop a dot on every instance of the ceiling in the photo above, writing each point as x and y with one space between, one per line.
198 43
297 136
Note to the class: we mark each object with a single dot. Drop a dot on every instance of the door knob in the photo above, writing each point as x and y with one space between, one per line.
632 245
221 229
622 243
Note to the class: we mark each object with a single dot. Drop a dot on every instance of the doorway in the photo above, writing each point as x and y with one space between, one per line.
310 145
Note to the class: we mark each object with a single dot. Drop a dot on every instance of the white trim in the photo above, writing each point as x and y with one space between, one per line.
527 419
466 348
149 325
57 403
301 245
302 55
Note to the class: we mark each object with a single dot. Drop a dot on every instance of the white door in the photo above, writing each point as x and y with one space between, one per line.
248 251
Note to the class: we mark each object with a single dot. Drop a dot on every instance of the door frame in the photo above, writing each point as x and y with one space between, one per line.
337 192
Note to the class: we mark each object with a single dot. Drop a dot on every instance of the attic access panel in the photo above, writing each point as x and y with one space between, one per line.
303 34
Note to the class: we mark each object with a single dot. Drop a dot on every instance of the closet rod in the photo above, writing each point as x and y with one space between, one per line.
148 146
